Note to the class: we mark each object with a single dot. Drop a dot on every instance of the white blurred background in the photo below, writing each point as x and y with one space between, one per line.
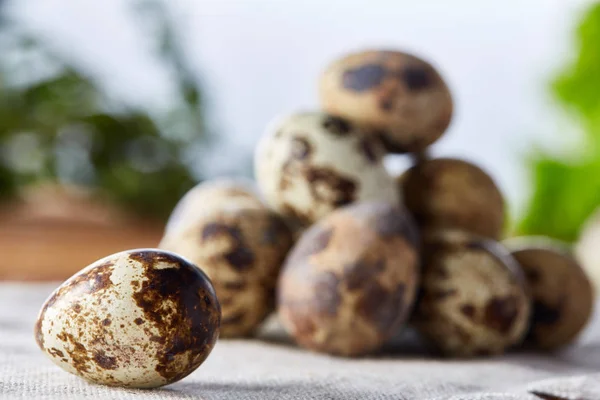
259 58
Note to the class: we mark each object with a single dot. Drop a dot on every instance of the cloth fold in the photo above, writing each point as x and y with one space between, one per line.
272 367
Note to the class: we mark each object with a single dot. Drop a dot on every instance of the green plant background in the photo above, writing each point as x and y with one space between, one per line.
566 190
60 126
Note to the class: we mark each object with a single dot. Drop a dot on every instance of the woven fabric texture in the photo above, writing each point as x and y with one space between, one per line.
272 367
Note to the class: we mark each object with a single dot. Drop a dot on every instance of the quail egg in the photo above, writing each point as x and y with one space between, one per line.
563 296
309 164
349 283
447 193
395 94
222 192
473 298
241 249
140 318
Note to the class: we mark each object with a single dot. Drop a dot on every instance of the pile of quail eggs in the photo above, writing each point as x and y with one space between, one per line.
347 254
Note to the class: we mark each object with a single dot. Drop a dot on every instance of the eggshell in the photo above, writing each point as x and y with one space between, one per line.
396 95
473 299
221 192
563 296
447 193
350 281
308 164
241 249
139 318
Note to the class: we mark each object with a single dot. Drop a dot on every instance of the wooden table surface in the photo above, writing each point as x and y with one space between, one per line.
51 232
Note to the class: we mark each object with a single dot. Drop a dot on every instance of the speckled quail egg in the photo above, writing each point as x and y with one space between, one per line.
308 164
348 284
563 296
241 249
221 192
473 298
395 94
447 193
140 318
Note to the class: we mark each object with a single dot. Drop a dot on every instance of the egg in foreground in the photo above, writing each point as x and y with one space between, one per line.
139 318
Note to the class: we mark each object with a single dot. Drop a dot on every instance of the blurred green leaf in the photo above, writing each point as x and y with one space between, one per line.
62 127
567 190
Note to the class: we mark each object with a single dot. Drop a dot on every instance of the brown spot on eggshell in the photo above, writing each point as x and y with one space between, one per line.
188 325
362 272
337 126
77 352
416 78
468 310
106 322
240 256
500 313
544 314
329 186
138 321
368 147
104 361
301 148
157 339
56 352
363 78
